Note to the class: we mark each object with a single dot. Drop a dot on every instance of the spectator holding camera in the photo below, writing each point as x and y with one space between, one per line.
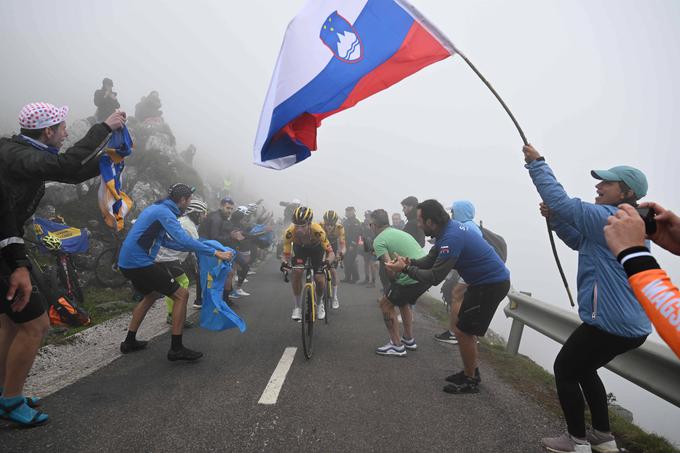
106 100
625 234
27 160
613 321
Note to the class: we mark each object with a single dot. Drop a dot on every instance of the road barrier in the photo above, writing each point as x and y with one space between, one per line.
652 366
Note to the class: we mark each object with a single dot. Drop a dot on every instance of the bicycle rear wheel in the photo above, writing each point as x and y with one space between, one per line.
106 269
307 320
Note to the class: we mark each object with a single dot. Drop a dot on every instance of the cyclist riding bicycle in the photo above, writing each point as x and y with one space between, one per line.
307 240
335 233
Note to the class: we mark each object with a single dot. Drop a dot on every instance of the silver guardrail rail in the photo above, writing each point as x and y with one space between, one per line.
652 366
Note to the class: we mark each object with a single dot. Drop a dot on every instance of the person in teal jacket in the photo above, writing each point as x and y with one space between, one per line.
613 322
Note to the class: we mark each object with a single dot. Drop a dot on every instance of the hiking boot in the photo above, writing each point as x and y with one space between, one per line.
320 311
335 304
446 337
602 442
184 354
409 344
297 314
392 350
468 385
565 444
127 347
460 377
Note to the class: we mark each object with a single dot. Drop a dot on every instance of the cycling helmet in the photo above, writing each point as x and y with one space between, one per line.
51 242
330 217
197 205
302 216
243 210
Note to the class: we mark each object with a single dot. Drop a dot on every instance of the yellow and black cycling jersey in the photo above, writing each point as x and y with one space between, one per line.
312 236
335 233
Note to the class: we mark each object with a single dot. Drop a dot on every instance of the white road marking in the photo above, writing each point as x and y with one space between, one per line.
271 391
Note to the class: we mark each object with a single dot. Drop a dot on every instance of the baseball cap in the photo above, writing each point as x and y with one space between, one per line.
632 177
39 115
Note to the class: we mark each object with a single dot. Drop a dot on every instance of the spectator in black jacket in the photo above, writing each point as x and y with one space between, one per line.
352 234
28 160
106 100
410 207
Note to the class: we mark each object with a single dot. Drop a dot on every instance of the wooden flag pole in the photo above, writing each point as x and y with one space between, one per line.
524 139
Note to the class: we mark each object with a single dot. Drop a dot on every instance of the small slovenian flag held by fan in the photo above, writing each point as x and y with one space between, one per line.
336 53
113 202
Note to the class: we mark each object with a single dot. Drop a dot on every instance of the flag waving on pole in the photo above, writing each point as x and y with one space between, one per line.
336 53
113 202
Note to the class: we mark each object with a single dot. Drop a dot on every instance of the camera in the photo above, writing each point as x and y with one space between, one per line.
647 215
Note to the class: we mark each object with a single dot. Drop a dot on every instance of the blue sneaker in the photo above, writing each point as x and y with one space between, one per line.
409 344
390 349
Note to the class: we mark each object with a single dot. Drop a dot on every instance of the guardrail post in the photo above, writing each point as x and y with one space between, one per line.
515 336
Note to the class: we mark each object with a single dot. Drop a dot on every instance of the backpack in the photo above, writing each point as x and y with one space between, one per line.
496 241
64 313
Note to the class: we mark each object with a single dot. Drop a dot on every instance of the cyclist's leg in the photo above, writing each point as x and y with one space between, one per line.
299 257
317 254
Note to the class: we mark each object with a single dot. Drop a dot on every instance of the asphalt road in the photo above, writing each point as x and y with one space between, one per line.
345 399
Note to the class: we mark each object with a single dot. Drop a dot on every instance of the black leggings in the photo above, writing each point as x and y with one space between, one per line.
587 349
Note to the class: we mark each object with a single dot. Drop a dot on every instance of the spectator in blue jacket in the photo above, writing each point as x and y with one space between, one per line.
613 321
158 226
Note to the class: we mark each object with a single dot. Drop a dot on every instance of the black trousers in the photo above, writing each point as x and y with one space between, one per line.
587 349
350 262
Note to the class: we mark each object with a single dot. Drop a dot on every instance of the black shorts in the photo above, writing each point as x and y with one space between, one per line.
154 278
479 305
315 254
400 295
173 268
33 310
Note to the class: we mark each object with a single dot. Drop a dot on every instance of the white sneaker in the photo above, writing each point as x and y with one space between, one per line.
390 349
335 304
251 272
241 293
297 314
320 311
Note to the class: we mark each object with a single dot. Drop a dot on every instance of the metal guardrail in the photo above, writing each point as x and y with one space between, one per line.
652 366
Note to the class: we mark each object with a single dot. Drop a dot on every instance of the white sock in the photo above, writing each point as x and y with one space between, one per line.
296 300
335 292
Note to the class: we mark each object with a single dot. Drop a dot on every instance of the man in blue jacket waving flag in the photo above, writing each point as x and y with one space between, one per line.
158 225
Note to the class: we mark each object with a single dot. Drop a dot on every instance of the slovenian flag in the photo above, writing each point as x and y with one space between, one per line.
113 202
336 53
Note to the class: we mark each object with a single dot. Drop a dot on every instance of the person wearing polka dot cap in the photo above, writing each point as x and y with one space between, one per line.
27 161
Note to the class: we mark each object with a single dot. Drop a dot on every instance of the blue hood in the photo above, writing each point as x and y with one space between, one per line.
463 211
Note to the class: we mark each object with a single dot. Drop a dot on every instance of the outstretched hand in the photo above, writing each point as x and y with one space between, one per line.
530 153
624 229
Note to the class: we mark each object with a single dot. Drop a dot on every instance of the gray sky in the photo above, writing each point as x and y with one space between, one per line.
593 84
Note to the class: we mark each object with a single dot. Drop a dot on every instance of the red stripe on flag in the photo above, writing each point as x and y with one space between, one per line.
418 50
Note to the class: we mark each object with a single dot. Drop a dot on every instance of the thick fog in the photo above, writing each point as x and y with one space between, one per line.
593 84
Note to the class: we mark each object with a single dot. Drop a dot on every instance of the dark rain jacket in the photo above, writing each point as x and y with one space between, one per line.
24 168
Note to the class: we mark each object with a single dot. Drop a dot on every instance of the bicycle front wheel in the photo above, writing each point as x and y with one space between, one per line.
307 320
106 269
327 296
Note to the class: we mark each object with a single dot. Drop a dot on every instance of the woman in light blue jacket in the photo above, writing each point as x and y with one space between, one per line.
613 321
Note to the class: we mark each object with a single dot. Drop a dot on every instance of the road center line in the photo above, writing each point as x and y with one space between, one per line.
271 391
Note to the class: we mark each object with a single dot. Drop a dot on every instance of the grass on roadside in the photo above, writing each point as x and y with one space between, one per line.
101 304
